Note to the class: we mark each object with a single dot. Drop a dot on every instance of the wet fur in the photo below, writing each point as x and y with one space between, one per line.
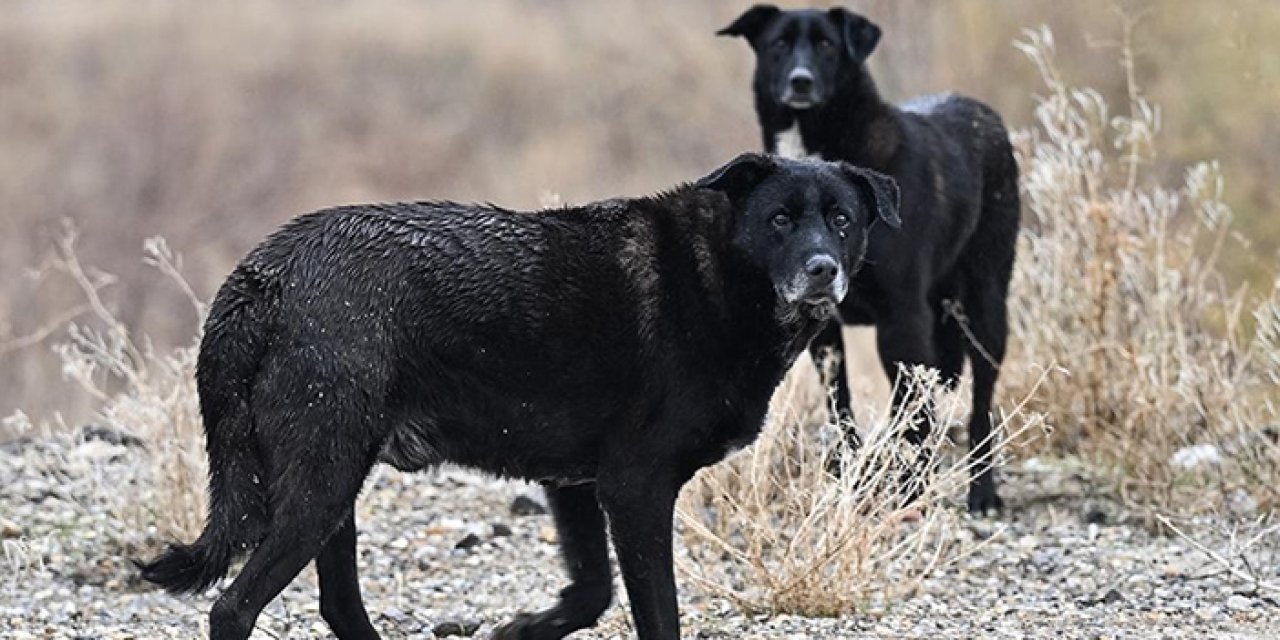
954 164
606 351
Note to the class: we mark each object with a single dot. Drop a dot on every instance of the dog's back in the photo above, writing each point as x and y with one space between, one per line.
956 159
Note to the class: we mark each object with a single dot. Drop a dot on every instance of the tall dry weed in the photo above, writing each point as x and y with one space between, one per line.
774 531
142 394
1170 385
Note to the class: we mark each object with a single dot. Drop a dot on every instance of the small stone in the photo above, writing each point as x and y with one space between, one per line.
525 506
110 435
1238 602
549 535
1111 597
501 530
1095 515
464 628
469 541
1208 613
10 529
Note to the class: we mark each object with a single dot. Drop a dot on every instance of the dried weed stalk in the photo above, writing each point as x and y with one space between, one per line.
1117 281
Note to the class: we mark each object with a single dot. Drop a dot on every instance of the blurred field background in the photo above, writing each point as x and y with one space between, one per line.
212 123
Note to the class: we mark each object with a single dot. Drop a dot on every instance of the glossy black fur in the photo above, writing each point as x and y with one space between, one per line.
952 159
606 351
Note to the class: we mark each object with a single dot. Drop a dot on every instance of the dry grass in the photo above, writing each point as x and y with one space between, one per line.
1118 283
143 393
773 531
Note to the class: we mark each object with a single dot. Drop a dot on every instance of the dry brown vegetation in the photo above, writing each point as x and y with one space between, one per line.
772 530
1119 283
209 125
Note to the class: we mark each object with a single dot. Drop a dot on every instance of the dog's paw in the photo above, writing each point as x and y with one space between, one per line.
984 499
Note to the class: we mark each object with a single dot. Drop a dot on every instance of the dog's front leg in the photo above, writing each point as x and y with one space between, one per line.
584 547
640 502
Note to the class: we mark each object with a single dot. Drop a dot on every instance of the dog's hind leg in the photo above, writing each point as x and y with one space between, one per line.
584 547
989 268
320 454
340 603
988 324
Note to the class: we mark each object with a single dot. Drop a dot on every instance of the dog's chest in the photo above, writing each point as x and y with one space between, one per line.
788 143
727 437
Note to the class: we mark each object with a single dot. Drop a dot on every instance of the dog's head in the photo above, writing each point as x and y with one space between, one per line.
804 222
802 56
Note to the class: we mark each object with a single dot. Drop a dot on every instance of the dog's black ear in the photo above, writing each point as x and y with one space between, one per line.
879 189
740 176
860 34
751 22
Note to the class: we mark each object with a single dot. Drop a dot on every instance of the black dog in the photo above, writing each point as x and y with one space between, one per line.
607 352
937 290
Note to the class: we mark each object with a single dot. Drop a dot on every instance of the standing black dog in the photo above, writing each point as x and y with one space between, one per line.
607 352
947 274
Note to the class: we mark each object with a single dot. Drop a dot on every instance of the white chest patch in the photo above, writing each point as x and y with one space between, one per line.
789 144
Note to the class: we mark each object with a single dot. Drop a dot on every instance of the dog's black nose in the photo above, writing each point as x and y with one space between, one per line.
801 81
822 268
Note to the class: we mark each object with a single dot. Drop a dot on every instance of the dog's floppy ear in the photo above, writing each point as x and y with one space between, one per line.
878 188
740 176
751 22
860 34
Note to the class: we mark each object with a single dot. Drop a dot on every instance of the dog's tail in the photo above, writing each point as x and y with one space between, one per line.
227 365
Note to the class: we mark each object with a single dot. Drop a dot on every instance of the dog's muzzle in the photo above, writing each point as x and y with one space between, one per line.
819 287
800 91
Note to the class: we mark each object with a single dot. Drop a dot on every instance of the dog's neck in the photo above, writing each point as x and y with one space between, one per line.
856 125
725 284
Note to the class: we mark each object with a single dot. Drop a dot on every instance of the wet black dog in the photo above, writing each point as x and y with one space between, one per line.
606 351
937 290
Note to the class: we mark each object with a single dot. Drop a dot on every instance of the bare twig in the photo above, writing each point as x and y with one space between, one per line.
1226 564
57 323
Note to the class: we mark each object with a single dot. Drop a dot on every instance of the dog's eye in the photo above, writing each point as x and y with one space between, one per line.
779 45
825 46
780 220
840 220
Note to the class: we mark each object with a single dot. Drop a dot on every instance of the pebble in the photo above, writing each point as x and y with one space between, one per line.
465 628
1238 602
525 506
10 529
1036 573
471 540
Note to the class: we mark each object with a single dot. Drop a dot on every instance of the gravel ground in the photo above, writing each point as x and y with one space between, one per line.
1057 564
